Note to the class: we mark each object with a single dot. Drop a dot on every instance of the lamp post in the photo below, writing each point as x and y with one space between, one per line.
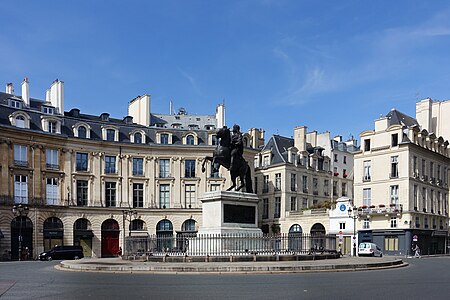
20 211
127 215
352 215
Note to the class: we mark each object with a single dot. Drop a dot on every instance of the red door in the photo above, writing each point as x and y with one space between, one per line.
110 238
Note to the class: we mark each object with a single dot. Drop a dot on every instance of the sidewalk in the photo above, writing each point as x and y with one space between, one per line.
331 265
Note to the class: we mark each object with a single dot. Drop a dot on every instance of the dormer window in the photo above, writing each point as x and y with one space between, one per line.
15 103
190 140
214 140
104 117
164 138
51 124
138 138
82 132
20 119
110 133
47 110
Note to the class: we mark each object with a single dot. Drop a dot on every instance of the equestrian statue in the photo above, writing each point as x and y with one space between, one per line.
229 154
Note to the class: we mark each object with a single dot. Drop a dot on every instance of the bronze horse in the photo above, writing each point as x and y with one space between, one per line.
222 157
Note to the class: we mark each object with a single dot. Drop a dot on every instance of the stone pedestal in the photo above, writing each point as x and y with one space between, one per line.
227 212
230 225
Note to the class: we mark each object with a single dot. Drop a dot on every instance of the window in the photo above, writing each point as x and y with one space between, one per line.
432 204
138 138
164 196
265 161
426 222
256 185
214 187
82 132
394 194
438 170
367 197
305 203
305 184
190 140
52 191
367 170
394 140
431 170
110 164
51 159
164 168
277 207
417 222
345 159
214 171
214 140
164 138
20 189
424 171
342 225
20 122
335 193
189 168
416 196
367 145
344 189
20 155
265 183
326 187
110 135
138 195
52 126
265 214
391 243
415 171
315 186
293 182
438 200
366 223
335 158
110 194
16 104
138 166
47 110
424 199
278 181
394 166
82 192
393 222
293 203
82 162
189 195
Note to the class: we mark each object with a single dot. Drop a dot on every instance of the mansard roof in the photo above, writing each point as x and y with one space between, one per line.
396 117
278 145
73 117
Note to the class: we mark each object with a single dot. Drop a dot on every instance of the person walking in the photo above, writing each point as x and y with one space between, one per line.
416 250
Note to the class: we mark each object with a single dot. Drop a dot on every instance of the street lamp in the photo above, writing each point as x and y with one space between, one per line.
352 215
20 211
127 214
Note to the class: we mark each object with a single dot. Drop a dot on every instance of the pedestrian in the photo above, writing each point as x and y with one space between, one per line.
416 250
340 251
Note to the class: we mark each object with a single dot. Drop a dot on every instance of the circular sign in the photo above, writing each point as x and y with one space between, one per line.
342 207
340 232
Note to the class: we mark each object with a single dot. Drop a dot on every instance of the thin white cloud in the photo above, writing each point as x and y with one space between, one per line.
191 80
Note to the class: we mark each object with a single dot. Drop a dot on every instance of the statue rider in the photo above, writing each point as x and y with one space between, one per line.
237 147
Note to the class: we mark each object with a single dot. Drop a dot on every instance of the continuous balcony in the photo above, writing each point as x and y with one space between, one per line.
381 209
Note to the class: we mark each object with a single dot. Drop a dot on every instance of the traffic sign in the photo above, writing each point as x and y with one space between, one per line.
415 238
340 232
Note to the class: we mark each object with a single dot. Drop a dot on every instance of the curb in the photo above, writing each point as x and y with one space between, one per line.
213 268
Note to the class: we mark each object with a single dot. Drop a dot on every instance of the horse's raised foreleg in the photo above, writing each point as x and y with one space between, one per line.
233 181
207 158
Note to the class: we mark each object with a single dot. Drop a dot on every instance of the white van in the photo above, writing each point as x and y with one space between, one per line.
369 249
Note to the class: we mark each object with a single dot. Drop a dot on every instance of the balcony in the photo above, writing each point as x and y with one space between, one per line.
380 210
52 166
21 163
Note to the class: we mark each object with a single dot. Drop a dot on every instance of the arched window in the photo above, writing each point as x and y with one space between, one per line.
138 138
190 140
137 225
188 225
20 122
82 132
164 235
164 226
295 238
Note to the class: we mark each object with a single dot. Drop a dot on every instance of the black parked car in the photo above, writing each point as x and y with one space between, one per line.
62 252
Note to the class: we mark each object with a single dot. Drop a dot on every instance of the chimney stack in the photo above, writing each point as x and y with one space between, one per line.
9 88
220 115
57 95
300 138
26 92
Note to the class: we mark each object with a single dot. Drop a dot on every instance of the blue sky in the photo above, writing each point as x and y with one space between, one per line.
330 65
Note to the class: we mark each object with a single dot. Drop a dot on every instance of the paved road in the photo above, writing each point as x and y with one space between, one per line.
427 278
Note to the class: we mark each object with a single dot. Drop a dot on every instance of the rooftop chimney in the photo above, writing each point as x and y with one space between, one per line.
25 92
139 109
9 88
220 115
57 95
300 138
